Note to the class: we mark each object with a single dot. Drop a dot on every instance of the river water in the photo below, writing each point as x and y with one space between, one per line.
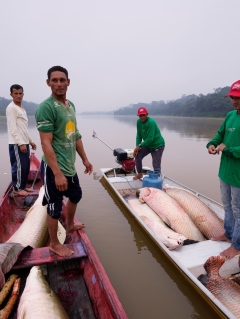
148 285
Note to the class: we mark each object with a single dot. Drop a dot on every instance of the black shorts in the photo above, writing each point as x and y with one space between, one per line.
53 197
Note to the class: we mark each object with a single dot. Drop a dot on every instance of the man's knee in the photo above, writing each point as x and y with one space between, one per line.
54 210
76 196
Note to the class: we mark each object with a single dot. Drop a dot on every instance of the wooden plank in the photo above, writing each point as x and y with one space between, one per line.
67 282
39 256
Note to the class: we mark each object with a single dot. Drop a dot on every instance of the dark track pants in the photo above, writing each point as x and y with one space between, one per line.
156 158
20 163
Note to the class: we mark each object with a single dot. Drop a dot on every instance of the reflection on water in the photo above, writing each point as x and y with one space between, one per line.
186 127
3 126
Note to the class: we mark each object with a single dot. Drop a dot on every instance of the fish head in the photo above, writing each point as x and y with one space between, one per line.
146 194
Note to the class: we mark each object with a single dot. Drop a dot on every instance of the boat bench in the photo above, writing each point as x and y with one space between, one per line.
195 255
43 255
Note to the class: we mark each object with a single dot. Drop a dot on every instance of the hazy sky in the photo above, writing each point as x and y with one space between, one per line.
119 52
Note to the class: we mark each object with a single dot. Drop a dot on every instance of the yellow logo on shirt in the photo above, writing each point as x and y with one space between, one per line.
70 130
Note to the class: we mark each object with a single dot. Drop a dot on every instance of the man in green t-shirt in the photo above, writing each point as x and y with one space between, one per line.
227 141
60 140
149 140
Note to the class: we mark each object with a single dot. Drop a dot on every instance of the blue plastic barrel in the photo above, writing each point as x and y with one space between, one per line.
152 180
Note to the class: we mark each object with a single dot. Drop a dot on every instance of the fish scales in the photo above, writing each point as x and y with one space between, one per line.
171 212
38 300
33 231
203 217
171 239
224 289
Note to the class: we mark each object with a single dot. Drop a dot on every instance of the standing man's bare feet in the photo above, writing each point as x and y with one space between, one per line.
75 227
230 252
61 250
138 176
221 238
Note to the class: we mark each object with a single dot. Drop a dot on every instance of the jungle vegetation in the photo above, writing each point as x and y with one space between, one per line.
210 105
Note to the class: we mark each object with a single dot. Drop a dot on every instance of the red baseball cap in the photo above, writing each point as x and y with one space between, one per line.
142 111
235 89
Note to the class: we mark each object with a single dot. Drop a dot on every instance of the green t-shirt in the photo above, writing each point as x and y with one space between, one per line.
52 116
229 134
148 134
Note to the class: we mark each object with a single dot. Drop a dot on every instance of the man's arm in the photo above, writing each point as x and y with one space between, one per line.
46 142
81 152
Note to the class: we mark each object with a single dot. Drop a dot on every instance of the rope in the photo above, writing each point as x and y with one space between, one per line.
23 207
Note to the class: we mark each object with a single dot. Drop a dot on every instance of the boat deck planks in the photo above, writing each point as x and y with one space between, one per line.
73 294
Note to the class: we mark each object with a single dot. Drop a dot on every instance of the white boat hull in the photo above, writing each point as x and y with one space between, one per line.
190 258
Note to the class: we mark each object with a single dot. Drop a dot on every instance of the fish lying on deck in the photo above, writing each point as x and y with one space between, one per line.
203 217
33 230
171 212
224 289
38 300
163 233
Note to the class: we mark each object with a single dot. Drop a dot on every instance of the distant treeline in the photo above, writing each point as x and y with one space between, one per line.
30 107
210 105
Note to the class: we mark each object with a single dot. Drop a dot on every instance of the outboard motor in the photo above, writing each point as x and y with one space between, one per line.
125 158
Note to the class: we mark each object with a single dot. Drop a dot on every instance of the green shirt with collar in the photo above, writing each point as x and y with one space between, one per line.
53 116
148 134
229 134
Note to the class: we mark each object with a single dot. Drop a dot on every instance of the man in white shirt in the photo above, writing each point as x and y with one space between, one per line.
19 141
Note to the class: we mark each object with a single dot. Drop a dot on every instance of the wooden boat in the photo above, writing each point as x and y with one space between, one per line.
189 259
79 281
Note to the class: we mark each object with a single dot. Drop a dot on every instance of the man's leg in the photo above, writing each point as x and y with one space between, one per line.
144 151
53 197
55 245
229 221
71 226
157 159
234 249
17 161
74 193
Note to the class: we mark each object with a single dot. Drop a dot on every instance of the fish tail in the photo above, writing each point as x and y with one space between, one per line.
189 242
212 266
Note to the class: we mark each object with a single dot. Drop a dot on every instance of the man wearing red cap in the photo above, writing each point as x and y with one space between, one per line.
148 140
227 141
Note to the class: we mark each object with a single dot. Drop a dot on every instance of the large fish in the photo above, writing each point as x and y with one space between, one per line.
224 289
203 217
170 212
32 232
38 300
163 233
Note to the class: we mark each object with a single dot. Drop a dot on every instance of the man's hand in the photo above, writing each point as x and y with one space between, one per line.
61 182
23 148
212 149
220 148
33 146
89 167
135 152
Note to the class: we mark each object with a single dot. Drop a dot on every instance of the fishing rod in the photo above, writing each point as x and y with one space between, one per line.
123 157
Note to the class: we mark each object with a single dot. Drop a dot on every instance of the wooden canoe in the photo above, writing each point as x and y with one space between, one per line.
79 281
189 259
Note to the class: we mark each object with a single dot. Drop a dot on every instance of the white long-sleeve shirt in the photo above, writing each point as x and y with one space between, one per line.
17 123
